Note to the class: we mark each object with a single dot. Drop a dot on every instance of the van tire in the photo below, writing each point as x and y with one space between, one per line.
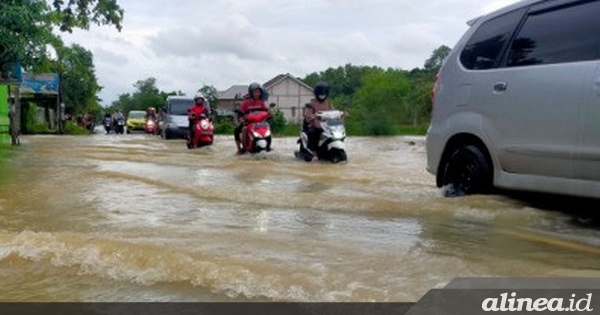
467 172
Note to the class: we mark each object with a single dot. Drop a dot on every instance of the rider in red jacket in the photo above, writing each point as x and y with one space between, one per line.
255 102
198 109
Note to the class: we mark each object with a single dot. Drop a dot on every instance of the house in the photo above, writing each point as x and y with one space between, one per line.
290 95
230 99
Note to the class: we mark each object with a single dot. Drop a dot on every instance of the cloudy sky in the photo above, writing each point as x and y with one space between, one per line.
186 44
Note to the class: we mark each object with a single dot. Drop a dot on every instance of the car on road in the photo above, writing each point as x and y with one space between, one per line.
136 120
516 104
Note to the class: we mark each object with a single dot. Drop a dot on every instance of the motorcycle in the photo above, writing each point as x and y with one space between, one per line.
331 146
257 132
203 133
151 126
107 124
120 126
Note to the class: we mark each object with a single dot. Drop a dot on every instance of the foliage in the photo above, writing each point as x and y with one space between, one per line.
380 103
289 130
146 95
383 101
30 123
71 128
212 96
224 126
434 63
26 27
79 82
277 121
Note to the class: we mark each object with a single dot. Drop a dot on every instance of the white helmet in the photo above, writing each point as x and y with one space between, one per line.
199 95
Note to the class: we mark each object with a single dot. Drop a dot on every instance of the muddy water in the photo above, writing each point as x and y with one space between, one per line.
137 218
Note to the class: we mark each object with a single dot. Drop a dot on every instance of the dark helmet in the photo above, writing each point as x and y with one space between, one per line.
255 85
321 90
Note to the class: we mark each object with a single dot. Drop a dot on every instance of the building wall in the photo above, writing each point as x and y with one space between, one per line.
290 97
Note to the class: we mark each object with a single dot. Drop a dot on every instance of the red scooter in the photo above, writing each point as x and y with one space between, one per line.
257 135
203 132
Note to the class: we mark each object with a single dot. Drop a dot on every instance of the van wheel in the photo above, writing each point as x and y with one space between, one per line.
467 172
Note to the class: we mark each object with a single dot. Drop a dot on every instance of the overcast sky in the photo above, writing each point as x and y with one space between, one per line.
186 44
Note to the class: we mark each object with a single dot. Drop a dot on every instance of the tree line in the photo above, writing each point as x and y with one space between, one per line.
379 101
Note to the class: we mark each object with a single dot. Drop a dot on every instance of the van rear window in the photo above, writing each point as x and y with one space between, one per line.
179 107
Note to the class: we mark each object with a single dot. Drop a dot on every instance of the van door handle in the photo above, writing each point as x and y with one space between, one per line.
500 87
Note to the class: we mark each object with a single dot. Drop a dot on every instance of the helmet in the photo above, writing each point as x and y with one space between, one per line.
255 85
199 95
321 90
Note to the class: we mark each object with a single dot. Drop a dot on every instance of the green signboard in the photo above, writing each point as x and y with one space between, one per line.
4 121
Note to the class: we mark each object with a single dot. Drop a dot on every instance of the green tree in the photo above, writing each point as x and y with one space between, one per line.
212 96
147 94
380 103
79 81
26 26
435 62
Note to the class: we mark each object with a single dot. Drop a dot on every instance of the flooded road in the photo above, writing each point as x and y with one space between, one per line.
137 218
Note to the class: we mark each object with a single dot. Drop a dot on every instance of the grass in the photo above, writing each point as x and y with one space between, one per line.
411 130
72 129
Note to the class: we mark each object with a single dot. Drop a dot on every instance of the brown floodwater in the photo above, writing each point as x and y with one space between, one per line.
138 218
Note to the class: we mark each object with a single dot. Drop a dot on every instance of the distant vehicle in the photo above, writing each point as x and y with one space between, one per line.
175 122
107 122
136 120
516 103
120 126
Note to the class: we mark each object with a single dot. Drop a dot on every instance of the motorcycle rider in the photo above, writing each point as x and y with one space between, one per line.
311 124
256 101
117 115
194 112
150 113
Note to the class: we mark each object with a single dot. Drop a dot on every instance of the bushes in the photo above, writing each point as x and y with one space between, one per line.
71 128
224 126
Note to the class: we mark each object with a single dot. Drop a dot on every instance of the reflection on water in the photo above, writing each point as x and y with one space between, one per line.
137 218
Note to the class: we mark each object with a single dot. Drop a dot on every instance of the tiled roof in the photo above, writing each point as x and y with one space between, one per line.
234 90
282 77
242 90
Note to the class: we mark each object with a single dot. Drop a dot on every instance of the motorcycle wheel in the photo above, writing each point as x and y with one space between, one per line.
337 155
303 153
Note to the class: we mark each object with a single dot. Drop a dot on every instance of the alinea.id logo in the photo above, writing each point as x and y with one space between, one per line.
514 304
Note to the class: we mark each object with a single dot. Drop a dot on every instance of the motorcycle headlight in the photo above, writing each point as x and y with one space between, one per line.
204 124
256 134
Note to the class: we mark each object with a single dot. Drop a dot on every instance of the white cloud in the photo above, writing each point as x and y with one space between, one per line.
185 44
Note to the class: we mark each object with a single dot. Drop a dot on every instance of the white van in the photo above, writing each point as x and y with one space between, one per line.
174 122
516 104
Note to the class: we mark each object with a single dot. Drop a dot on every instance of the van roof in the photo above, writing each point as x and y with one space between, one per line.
179 97
510 7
